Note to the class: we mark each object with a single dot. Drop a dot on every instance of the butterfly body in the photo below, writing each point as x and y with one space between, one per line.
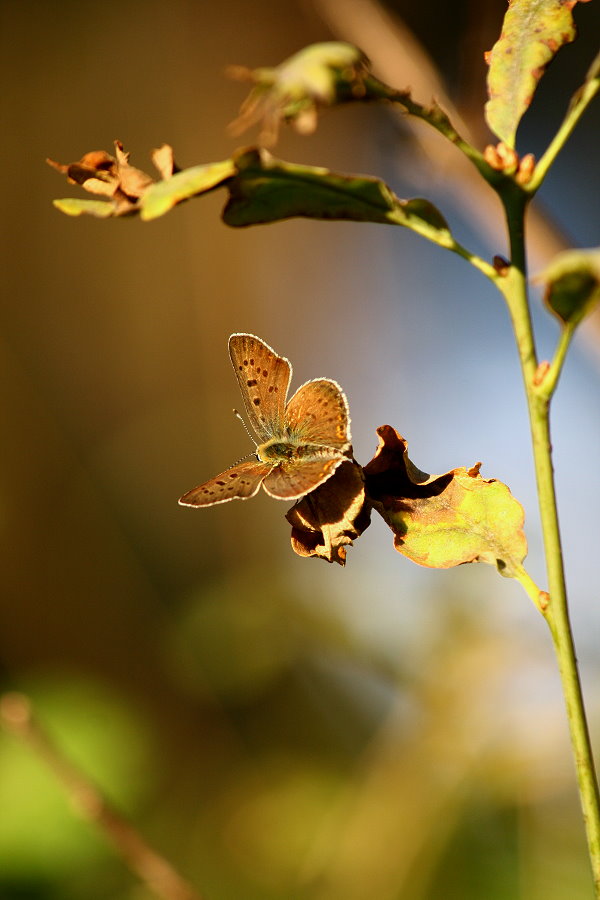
300 443
279 450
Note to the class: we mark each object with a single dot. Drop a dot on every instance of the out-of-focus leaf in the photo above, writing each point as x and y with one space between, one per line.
572 284
266 190
445 520
164 160
113 177
73 206
532 33
295 89
164 195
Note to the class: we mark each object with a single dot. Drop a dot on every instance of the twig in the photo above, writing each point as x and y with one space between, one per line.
399 59
158 874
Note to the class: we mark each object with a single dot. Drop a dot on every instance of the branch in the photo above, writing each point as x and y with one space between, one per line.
158 874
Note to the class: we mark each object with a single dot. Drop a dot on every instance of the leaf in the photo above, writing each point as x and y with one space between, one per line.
572 284
295 89
533 32
164 195
445 520
73 206
101 173
164 161
266 189
332 516
110 176
261 189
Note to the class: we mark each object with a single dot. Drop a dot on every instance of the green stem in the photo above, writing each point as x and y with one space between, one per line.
437 118
555 607
476 261
548 384
443 238
579 104
540 598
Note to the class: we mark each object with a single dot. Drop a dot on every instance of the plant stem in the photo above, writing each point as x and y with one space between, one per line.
548 384
540 598
556 612
581 100
155 872
434 116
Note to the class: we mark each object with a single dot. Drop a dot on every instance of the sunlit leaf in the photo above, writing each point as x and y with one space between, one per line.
532 33
73 206
445 520
266 190
164 195
572 283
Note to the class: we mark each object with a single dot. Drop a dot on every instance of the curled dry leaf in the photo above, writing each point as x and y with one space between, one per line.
164 161
328 519
445 520
112 177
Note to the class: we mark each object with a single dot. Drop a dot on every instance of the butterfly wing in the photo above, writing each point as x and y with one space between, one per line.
291 481
237 483
264 378
318 414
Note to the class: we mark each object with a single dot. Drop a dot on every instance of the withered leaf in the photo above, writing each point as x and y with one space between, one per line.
445 520
164 161
113 177
328 519
132 182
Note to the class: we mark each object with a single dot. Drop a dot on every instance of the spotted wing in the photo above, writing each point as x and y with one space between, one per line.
237 483
318 414
291 480
264 378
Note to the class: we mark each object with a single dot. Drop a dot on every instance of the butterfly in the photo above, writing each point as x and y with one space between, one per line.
299 443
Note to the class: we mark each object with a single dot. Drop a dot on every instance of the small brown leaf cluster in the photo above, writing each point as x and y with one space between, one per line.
114 178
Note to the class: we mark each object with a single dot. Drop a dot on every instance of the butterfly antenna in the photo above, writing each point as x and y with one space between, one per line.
246 429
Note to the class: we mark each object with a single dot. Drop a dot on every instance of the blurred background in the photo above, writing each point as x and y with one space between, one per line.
275 726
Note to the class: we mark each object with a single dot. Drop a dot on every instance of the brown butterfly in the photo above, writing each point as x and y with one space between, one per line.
299 443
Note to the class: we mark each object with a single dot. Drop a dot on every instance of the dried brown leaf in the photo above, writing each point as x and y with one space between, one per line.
164 161
328 519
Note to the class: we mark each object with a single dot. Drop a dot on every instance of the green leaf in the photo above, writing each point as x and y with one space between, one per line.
266 190
446 520
532 33
164 195
73 206
572 284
